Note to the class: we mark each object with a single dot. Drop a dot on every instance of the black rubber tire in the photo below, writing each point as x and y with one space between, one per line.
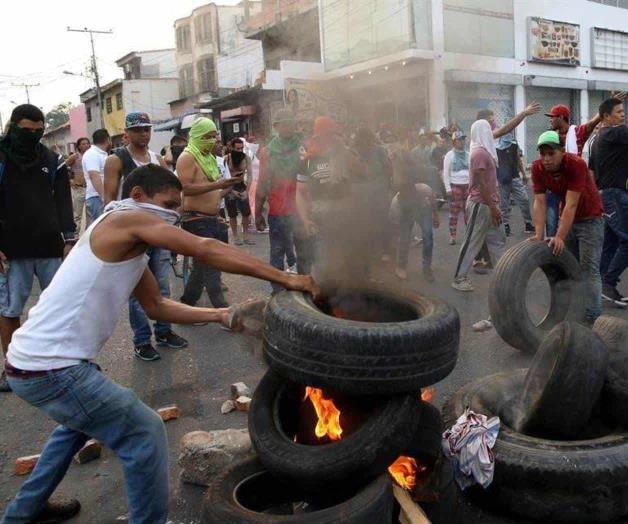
357 458
563 383
371 504
614 403
309 347
546 480
426 443
507 292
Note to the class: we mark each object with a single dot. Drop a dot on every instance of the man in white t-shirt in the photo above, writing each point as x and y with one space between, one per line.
94 172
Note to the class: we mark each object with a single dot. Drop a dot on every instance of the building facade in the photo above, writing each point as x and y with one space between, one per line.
135 92
59 139
426 63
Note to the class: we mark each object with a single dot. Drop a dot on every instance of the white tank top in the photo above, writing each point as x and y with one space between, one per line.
77 313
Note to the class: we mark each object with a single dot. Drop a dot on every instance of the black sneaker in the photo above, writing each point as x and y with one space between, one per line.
146 352
611 295
4 383
529 229
57 511
507 229
172 340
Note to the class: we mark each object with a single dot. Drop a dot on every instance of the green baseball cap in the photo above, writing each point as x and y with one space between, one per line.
549 138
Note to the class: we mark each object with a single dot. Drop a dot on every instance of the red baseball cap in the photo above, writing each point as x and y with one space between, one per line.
559 110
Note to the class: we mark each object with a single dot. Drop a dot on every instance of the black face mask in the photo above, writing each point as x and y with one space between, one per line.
176 152
24 144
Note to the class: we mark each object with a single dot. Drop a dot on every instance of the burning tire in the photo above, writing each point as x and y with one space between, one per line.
614 332
426 442
356 458
247 493
506 299
384 344
576 481
564 382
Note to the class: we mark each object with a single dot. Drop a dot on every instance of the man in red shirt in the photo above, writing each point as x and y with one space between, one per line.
280 162
567 176
572 137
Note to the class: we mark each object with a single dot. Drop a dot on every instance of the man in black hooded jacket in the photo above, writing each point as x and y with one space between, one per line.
36 222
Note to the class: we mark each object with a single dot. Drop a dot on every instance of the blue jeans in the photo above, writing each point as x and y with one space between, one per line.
423 217
16 284
159 264
283 242
615 252
518 191
94 208
585 242
551 221
87 404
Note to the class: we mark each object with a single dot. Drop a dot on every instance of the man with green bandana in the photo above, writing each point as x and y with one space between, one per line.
203 190
280 163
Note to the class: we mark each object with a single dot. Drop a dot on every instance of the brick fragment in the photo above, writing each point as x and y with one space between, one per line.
24 465
243 403
90 451
169 412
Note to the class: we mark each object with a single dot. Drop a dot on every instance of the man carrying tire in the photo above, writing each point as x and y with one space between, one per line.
580 225
50 359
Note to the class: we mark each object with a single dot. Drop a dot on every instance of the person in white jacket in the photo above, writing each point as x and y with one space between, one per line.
456 180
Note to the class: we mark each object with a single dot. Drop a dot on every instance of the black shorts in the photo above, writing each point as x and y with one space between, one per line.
234 205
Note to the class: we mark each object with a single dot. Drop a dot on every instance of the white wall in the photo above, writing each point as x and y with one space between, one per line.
242 67
151 96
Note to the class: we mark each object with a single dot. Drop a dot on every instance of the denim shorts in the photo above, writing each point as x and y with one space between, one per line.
16 284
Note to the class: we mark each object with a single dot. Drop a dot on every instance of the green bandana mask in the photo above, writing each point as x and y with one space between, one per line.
202 148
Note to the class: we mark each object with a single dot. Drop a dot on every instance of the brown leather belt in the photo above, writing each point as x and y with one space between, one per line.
21 373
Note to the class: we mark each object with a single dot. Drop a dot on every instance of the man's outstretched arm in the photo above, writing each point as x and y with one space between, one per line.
161 308
155 232
532 109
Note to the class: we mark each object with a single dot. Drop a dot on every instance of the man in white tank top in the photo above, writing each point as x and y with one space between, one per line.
117 167
50 359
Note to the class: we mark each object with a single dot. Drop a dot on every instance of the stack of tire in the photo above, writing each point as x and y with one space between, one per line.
562 451
345 481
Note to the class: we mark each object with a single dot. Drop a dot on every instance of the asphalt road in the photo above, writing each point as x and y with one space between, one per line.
197 379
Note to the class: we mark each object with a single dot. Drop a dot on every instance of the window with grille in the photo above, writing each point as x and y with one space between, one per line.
119 101
108 104
186 81
88 113
206 77
183 38
610 49
202 29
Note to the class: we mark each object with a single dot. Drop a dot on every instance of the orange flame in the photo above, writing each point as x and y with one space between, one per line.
403 471
427 395
328 414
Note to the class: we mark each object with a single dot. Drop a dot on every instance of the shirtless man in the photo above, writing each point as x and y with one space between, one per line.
50 360
117 167
203 192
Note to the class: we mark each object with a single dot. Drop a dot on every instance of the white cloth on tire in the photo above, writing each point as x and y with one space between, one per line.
468 444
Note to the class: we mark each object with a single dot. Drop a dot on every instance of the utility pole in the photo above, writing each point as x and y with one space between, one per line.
95 66
26 86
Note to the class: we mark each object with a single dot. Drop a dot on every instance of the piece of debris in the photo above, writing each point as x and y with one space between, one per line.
169 412
227 407
24 465
90 451
240 389
243 403
205 454
410 513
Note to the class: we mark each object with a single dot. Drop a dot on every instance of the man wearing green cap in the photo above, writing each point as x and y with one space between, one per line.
202 193
581 227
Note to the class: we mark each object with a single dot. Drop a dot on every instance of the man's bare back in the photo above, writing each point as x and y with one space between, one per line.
200 194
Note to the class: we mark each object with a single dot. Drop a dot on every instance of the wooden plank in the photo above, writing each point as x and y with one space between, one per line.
411 513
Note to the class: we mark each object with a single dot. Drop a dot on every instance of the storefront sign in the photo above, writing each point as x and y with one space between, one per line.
309 99
552 42
609 49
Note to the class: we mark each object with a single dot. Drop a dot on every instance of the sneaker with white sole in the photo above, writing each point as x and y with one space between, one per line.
171 339
292 269
462 284
482 325
612 296
147 353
